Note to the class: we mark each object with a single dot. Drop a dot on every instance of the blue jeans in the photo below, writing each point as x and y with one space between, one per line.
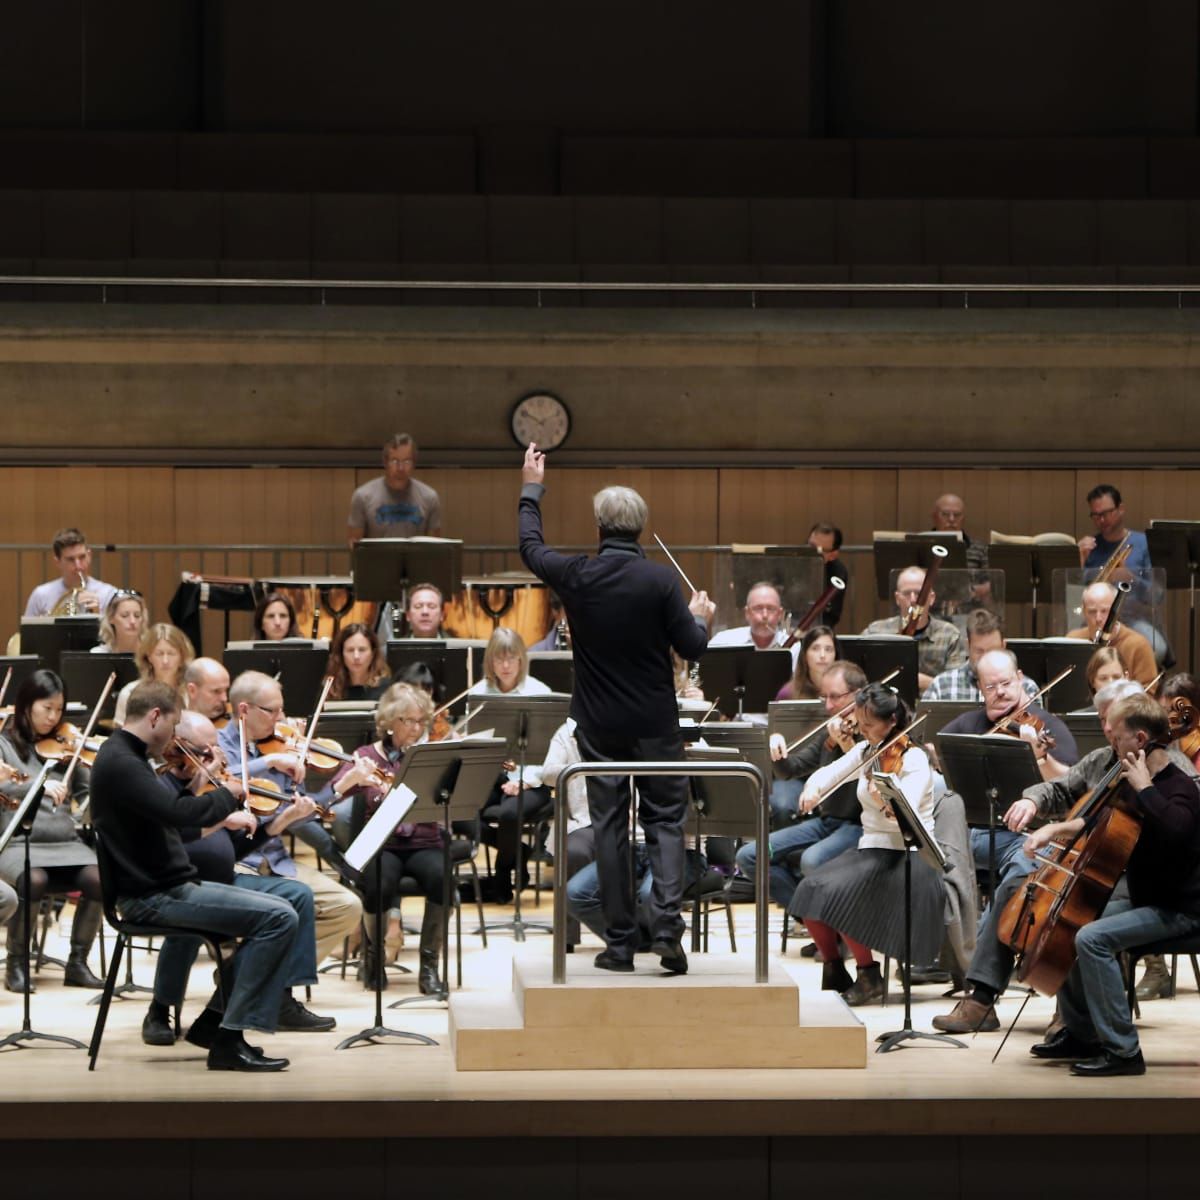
784 799
1010 857
821 838
1093 1001
177 954
583 892
267 924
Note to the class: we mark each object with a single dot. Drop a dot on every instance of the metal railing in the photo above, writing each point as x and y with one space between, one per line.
744 770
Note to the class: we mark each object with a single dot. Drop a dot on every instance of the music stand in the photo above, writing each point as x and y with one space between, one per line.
880 654
1087 731
744 678
750 741
23 665
448 777
447 661
1028 569
22 823
939 713
527 724
982 768
555 668
916 837
1073 692
85 674
48 637
299 669
1175 546
385 568
915 550
794 718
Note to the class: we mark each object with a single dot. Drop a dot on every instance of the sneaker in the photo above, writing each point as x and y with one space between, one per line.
295 1018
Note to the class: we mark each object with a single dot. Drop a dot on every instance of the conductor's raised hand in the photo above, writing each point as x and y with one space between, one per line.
534 468
701 606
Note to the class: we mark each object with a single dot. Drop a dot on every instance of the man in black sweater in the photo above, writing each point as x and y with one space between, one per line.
1164 895
139 822
625 615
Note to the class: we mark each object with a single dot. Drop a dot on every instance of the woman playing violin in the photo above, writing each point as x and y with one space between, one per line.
818 648
401 721
275 618
357 664
59 861
860 894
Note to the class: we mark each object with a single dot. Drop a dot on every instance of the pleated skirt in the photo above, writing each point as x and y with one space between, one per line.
861 894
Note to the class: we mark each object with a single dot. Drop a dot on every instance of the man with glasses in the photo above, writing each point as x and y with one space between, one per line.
764 612
1108 520
257 700
947 517
939 644
836 827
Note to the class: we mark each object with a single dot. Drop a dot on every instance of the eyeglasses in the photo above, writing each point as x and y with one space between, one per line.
410 720
764 610
999 686
277 711
1102 513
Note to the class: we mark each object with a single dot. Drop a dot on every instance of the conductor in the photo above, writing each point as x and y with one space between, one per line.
625 615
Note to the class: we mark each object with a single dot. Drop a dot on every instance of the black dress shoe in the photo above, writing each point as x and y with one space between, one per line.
237 1056
295 1018
671 956
156 1027
1063 1044
1110 1064
606 960
203 1031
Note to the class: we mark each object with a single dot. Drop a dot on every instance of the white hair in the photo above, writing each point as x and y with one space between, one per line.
620 511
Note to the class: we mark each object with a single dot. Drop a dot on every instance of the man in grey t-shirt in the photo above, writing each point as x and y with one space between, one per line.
395 504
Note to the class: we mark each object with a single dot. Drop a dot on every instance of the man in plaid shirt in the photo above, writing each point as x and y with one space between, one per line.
985 631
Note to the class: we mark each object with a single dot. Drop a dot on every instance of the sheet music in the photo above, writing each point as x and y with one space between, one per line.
378 829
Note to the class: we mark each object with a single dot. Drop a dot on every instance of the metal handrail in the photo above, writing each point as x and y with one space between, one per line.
745 770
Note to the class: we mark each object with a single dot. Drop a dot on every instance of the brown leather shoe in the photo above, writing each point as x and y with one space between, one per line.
969 1016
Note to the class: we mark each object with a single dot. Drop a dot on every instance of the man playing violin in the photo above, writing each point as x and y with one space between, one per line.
196 764
1163 874
1135 651
73 557
939 644
257 700
139 821
805 845
206 689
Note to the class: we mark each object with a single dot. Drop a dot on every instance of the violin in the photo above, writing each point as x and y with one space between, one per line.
890 756
63 742
848 728
11 775
323 754
1012 723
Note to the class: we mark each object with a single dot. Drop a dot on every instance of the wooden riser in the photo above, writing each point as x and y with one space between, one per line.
715 1017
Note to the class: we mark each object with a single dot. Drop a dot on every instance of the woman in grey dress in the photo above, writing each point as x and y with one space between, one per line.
59 861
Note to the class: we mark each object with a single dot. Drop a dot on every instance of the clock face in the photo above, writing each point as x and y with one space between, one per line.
542 418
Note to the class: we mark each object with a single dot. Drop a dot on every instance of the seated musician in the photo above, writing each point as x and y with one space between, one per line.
59 861
394 505
357 664
73 557
992 963
818 648
155 883
826 539
1103 668
425 612
275 618
764 615
1107 511
1163 874
123 623
402 720
939 644
947 516
581 839
213 851
257 699
163 655
802 847
206 690
1135 650
860 894
558 636
985 632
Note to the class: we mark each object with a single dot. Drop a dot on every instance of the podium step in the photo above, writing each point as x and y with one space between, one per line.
648 1021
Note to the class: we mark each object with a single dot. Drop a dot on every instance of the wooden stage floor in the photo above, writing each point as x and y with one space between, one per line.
386 1090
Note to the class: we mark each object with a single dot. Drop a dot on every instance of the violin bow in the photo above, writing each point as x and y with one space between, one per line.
245 769
1024 707
841 712
70 771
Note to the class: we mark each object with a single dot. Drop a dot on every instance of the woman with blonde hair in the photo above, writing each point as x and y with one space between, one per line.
123 623
506 668
163 654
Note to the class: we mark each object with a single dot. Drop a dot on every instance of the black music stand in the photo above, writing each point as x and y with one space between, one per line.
447 660
449 778
85 674
299 668
527 724
1087 730
750 741
23 665
983 769
1175 546
1073 692
880 654
745 679
385 568
22 824
915 550
555 668
916 837
939 713
48 637
792 719
1028 569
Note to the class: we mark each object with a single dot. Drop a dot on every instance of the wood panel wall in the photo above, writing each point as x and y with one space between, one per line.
281 508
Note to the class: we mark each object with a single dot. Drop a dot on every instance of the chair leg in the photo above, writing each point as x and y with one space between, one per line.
1131 986
783 936
1174 975
1195 971
729 922
479 902
887 976
110 983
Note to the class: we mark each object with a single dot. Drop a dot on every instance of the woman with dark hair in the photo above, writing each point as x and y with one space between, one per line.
58 860
818 648
860 894
357 664
275 618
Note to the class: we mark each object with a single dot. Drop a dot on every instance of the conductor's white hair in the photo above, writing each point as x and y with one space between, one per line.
620 510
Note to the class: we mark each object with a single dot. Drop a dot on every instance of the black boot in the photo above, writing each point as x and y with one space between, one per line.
835 977
868 987
433 936
88 915
15 979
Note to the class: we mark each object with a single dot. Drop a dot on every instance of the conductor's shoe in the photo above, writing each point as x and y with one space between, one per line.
670 955
969 1016
237 1056
606 960
1063 1044
156 1028
1109 1063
